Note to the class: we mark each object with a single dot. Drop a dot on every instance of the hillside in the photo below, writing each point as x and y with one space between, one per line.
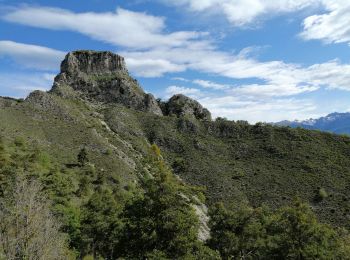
338 123
94 103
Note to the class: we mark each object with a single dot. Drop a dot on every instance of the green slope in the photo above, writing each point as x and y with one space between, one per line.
235 161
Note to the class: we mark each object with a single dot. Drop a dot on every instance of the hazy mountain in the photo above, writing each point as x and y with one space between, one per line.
338 123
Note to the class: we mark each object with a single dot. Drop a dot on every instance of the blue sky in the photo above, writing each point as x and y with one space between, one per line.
255 60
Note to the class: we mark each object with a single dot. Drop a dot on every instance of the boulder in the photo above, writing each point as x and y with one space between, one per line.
183 106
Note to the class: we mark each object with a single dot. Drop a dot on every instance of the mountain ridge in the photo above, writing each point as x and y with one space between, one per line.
335 122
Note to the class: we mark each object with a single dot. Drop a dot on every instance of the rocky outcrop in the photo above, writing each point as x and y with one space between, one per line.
92 62
183 106
103 77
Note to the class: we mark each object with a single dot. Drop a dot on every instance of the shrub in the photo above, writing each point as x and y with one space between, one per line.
322 194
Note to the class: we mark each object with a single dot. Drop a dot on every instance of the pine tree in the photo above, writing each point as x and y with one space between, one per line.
101 224
161 221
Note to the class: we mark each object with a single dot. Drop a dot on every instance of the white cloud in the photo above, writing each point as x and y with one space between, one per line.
21 84
330 27
32 56
153 67
256 90
270 110
210 84
122 27
180 79
244 12
332 75
191 92
284 78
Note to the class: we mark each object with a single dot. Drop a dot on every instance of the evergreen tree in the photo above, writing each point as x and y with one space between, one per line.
239 233
101 224
291 232
295 233
161 221
83 157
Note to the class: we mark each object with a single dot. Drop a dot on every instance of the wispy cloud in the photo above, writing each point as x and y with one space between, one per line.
270 110
276 75
31 56
24 83
41 62
151 67
261 91
210 84
180 79
191 92
243 12
330 27
122 27
204 83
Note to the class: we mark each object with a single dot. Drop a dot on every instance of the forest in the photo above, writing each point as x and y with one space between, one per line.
53 211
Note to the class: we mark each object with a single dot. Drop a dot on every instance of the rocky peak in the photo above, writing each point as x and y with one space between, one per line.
92 62
182 106
101 76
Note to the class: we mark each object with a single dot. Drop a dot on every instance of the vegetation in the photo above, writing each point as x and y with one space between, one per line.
291 232
234 161
83 157
115 189
161 221
50 211
79 179
28 230
259 164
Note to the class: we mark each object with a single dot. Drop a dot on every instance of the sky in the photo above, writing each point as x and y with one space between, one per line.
254 60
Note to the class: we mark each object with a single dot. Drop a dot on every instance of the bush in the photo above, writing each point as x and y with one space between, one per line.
322 194
83 157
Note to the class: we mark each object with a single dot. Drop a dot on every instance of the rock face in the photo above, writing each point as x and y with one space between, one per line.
183 106
103 77
92 62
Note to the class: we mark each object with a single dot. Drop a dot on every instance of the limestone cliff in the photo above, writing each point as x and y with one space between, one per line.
102 76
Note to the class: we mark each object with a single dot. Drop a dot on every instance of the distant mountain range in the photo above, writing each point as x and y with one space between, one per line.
338 123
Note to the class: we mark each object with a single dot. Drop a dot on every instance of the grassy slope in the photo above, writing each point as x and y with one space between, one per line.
235 161
66 126
261 163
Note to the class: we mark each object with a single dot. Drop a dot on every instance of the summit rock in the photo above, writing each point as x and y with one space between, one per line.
93 62
102 76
